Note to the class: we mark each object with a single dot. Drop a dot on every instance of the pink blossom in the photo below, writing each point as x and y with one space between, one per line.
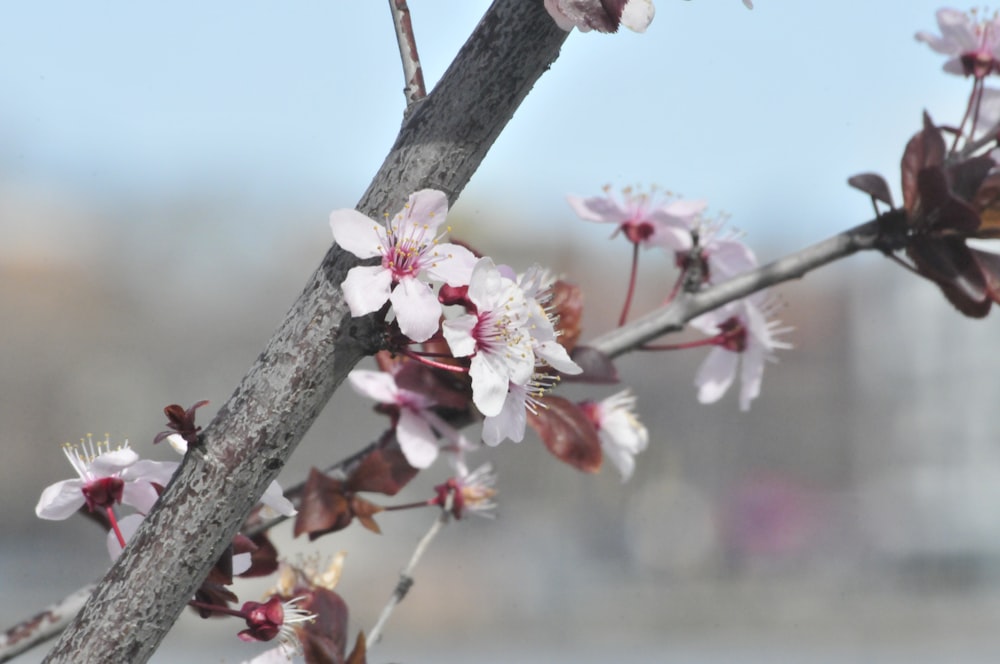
470 492
622 434
972 43
645 218
418 427
496 336
512 419
720 253
106 477
745 340
586 15
409 247
536 283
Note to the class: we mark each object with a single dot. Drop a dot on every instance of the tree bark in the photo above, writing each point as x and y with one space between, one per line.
443 140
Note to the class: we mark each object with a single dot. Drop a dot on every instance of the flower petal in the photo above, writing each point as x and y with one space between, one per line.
452 264
274 498
366 288
418 311
416 439
377 385
489 383
715 375
60 500
427 207
356 233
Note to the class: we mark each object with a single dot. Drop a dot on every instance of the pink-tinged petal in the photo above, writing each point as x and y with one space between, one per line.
716 374
597 208
751 375
728 258
682 210
452 264
563 21
427 206
489 383
241 563
638 14
377 385
140 495
366 288
458 333
274 498
127 525
159 472
60 500
484 283
416 439
957 30
418 311
510 423
555 356
109 463
356 233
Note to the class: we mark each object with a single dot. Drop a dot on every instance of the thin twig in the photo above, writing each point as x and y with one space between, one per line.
406 576
413 75
43 626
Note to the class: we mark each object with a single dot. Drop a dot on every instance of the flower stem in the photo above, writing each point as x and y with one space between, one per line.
631 284
408 506
413 355
114 527
700 343
214 608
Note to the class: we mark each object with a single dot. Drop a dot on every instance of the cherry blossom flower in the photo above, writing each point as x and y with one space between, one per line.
273 498
622 434
496 335
973 42
586 15
645 218
719 252
274 619
745 339
106 477
409 247
512 419
418 427
470 492
536 283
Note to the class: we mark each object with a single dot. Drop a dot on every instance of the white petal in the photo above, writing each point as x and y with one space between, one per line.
274 498
489 384
510 422
416 439
622 459
427 206
638 14
377 385
60 500
178 443
715 375
485 284
458 333
556 356
241 563
366 288
356 233
109 463
597 208
418 311
452 264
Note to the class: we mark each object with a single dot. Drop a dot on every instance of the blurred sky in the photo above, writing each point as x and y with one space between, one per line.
273 106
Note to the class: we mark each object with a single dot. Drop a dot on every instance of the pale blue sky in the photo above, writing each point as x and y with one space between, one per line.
272 105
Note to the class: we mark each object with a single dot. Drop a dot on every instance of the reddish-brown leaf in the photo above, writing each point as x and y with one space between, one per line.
568 434
925 149
874 185
949 263
324 506
359 654
567 305
383 470
325 639
445 389
364 510
263 559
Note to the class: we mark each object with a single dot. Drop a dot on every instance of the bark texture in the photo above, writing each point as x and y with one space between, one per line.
442 142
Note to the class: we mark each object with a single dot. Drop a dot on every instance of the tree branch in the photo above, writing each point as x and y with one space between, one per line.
42 626
673 316
413 75
440 145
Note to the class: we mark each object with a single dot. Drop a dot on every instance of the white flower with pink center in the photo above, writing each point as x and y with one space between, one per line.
646 218
410 248
418 427
746 338
106 477
495 335
512 419
537 286
973 42
586 15
622 434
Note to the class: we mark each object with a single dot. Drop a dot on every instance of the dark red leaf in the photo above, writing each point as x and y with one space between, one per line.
568 434
967 177
949 263
925 149
567 306
324 506
359 654
444 388
263 559
325 639
364 510
874 185
597 367
938 208
383 470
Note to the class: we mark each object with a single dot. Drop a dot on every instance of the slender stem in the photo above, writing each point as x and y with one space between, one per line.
407 506
406 576
114 527
44 625
444 366
413 75
214 608
700 343
631 284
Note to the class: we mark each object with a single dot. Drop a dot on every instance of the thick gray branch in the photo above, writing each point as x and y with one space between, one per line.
673 316
440 145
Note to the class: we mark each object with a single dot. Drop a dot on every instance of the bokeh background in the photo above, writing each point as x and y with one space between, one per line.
165 177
